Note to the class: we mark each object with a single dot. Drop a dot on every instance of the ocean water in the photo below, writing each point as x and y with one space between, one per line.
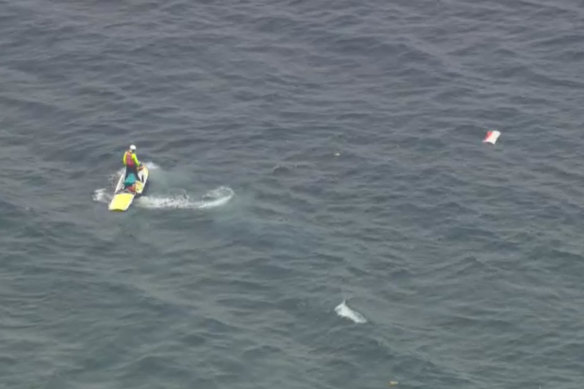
322 212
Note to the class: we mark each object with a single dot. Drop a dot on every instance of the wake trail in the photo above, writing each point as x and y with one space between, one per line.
212 199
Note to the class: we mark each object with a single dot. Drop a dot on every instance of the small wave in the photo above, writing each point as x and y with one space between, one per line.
102 195
214 198
343 310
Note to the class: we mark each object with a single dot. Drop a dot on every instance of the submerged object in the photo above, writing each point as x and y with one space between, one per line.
124 195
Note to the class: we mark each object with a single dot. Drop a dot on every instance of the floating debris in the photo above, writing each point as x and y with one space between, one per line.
492 137
343 310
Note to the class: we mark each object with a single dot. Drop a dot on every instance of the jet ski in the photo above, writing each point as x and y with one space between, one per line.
124 196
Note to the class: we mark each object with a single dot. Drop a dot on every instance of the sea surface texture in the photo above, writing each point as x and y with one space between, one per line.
322 212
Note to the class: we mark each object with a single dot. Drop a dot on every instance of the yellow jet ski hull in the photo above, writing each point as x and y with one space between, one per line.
124 198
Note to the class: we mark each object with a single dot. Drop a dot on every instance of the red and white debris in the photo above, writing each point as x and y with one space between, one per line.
492 137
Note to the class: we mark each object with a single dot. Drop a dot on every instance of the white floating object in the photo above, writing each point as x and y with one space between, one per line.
343 310
492 137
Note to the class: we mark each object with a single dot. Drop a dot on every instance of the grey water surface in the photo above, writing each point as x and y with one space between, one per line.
302 154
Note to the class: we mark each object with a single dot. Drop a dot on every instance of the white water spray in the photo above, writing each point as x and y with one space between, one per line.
214 198
343 310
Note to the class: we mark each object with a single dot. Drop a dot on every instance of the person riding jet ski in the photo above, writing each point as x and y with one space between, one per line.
131 161
130 183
